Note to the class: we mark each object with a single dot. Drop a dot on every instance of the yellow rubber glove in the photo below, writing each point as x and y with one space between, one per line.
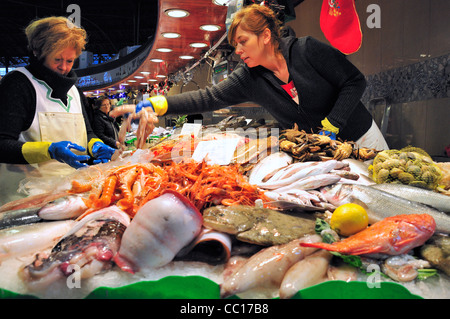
36 152
159 104
327 126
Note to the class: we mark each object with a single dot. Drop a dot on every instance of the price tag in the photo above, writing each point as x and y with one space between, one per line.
216 151
191 129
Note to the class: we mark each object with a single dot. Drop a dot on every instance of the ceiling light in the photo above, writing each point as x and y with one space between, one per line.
144 83
198 45
145 73
176 13
160 76
152 80
138 77
131 80
210 27
157 60
164 50
171 35
186 57
222 2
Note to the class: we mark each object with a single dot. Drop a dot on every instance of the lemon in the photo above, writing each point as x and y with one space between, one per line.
348 219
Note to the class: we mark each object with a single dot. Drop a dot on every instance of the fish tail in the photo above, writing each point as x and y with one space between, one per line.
325 246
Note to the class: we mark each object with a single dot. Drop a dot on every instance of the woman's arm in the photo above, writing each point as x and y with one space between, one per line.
17 108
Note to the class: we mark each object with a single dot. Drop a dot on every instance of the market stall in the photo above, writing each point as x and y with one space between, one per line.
232 213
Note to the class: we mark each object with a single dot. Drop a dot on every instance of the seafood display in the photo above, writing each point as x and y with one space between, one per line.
315 147
254 225
380 205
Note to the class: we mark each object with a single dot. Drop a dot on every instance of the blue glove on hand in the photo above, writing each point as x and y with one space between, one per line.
329 134
61 152
143 104
102 152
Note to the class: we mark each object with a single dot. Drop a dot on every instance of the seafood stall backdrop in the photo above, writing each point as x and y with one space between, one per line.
238 209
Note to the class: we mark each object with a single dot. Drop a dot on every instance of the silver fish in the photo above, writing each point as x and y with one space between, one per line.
310 182
380 204
19 217
315 168
268 165
424 196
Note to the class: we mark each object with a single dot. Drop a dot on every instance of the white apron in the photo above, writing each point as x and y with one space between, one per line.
55 122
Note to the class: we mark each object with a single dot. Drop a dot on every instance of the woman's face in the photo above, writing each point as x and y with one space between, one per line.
61 62
250 47
106 106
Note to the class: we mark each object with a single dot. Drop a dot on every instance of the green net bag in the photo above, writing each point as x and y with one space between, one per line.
410 166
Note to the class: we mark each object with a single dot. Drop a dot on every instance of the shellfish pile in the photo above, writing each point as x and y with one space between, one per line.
409 166
304 146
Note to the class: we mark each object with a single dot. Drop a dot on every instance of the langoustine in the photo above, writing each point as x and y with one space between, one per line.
87 249
160 229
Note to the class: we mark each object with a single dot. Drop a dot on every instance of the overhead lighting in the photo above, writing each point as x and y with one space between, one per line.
138 77
145 73
176 13
210 27
144 83
198 45
131 80
171 35
160 76
164 50
186 57
222 2
157 60
152 80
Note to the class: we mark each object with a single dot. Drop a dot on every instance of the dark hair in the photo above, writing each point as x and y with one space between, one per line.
99 101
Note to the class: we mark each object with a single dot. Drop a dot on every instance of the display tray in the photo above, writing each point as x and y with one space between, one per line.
198 287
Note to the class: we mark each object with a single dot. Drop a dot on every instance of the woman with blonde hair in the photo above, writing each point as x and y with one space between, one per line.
43 119
298 80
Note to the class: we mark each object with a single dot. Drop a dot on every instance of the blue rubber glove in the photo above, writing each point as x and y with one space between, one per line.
61 151
329 134
102 152
140 106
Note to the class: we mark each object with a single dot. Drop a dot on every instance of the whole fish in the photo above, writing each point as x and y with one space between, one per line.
424 196
395 235
260 226
19 217
70 206
312 169
29 239
89 248
380 204
268 165
310 182
33 201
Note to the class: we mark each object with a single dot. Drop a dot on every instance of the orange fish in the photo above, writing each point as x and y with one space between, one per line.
393 235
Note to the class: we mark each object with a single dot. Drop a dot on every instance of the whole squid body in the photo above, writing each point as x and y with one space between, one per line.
380 204
395 235
159 230
89 247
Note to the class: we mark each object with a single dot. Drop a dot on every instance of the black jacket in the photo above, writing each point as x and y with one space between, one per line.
328 85
106 128
18 106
